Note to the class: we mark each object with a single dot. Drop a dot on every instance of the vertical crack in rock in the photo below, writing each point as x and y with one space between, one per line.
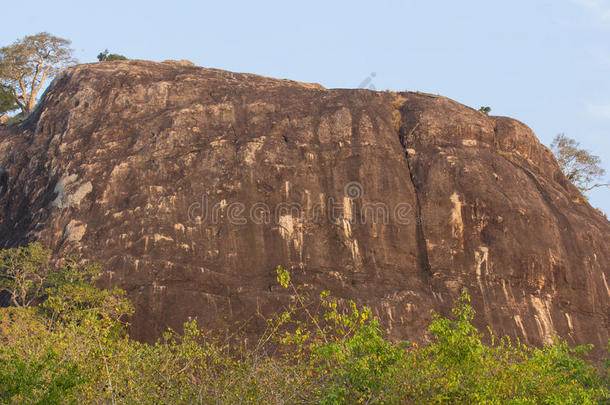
422 246
421 239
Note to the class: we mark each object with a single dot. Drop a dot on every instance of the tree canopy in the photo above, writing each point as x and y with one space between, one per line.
29 63
107 57
485 110
580 166
7 103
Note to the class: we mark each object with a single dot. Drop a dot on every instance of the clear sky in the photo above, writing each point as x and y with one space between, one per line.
546 63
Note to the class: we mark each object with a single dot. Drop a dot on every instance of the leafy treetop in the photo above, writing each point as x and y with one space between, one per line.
107 57
580 166
29 63
7 101
485 110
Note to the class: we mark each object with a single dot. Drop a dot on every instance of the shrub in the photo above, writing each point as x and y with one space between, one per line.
485 110
71 346
108 57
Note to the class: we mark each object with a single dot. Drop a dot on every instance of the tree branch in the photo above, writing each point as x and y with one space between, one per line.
33 85
595 186
17 97
23 95
42 79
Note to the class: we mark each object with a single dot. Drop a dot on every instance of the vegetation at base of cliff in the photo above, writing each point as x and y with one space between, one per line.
65 342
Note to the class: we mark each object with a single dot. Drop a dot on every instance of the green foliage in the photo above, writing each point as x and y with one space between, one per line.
485 110
70 346
7 101
31 62
283 276
343 348
23 273
458 368
580 166
106 57
350 361
41 380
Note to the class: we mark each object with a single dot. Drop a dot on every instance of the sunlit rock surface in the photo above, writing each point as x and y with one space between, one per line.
191 185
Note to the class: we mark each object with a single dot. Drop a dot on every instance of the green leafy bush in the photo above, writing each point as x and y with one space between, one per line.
8 101
485 110
108 57
70 346
44 379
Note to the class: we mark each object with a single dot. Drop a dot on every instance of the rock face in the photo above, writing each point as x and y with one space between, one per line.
191 185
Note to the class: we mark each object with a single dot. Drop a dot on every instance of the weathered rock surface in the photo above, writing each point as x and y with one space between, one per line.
192 184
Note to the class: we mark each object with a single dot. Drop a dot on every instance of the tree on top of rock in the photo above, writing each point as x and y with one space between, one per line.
485 110
29 63
108 57
580 166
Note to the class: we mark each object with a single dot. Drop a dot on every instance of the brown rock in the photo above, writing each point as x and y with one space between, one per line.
120 161
182 62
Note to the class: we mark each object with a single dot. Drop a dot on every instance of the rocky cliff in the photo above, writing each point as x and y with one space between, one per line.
192 184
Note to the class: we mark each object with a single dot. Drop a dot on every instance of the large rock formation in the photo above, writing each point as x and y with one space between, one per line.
192 184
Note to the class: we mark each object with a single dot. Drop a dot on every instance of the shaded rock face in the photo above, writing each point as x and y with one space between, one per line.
191 185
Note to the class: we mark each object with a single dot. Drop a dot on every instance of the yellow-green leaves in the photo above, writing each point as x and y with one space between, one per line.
73 348
283 276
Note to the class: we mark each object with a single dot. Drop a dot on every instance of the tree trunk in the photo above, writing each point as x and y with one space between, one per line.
31 103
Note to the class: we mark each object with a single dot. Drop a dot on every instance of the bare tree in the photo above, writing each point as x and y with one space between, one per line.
580 166
29 63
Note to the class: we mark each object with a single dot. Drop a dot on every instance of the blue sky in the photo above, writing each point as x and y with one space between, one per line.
546 63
